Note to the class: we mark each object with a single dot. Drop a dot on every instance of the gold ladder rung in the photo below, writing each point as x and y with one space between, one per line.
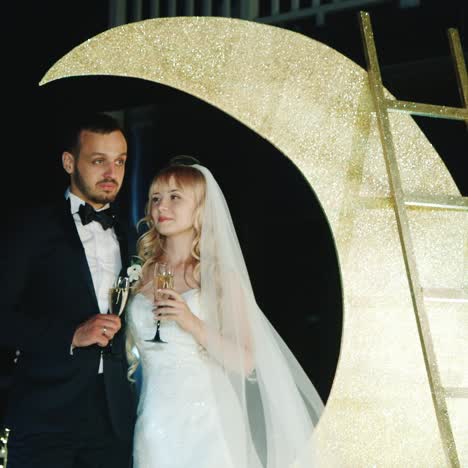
415 200
443 202
445 295
456 392
426 110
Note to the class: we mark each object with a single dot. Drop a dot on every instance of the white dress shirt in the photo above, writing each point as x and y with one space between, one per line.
102 253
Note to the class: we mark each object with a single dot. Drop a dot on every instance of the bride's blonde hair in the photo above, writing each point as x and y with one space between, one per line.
150 245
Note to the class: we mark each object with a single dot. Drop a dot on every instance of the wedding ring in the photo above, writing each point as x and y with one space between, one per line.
104 330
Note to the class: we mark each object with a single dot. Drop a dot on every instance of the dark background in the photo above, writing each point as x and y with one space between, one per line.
281 226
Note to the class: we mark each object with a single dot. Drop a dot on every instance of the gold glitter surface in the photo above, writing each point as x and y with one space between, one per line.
458 410
438 239
448 322
315 106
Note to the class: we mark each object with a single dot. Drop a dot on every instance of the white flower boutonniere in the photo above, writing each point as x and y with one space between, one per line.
134 270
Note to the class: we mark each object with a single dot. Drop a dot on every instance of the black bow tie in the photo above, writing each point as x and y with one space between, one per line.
105 217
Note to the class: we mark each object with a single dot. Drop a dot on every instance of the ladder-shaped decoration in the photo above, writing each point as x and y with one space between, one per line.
403 202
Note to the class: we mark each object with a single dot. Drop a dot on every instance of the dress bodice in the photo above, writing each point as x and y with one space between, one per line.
143 319
177 424
180 346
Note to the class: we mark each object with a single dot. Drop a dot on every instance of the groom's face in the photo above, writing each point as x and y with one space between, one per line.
98 171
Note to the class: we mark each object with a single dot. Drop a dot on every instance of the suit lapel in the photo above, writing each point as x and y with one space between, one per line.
74 237
122 237
123 243
82 263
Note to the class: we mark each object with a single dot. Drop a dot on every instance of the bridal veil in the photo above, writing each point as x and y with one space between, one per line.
267 404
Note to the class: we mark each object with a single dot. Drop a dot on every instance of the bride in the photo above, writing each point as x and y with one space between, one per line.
224 390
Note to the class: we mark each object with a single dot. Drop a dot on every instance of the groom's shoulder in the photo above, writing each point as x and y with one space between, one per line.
41 211
36 219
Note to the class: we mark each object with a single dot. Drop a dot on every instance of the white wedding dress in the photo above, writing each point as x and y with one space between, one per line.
177 421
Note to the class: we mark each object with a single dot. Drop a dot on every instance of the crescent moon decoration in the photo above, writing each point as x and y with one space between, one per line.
315 106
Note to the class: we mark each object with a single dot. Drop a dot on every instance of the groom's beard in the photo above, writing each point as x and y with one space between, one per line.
90 193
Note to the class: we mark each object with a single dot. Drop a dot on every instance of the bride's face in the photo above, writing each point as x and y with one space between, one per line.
172 208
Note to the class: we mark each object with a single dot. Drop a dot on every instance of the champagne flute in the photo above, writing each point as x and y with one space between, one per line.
4 445
118 295
163 279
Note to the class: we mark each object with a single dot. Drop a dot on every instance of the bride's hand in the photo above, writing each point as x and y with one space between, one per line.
173 307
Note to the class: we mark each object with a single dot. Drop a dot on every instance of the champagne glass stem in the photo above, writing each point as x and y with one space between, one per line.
157 336
163 278
118 295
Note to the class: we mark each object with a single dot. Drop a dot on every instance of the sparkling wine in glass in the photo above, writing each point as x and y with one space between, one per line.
118 295
163 279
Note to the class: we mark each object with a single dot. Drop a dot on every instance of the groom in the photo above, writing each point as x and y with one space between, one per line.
70 404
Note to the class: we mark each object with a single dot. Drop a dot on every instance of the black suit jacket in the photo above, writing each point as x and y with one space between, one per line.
47 292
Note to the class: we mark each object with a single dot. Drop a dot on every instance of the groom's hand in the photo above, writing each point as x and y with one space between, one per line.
98 329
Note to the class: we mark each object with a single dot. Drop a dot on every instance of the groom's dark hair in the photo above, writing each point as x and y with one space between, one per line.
96 122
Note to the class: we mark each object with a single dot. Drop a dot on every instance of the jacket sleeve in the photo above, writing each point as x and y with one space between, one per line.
23 324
